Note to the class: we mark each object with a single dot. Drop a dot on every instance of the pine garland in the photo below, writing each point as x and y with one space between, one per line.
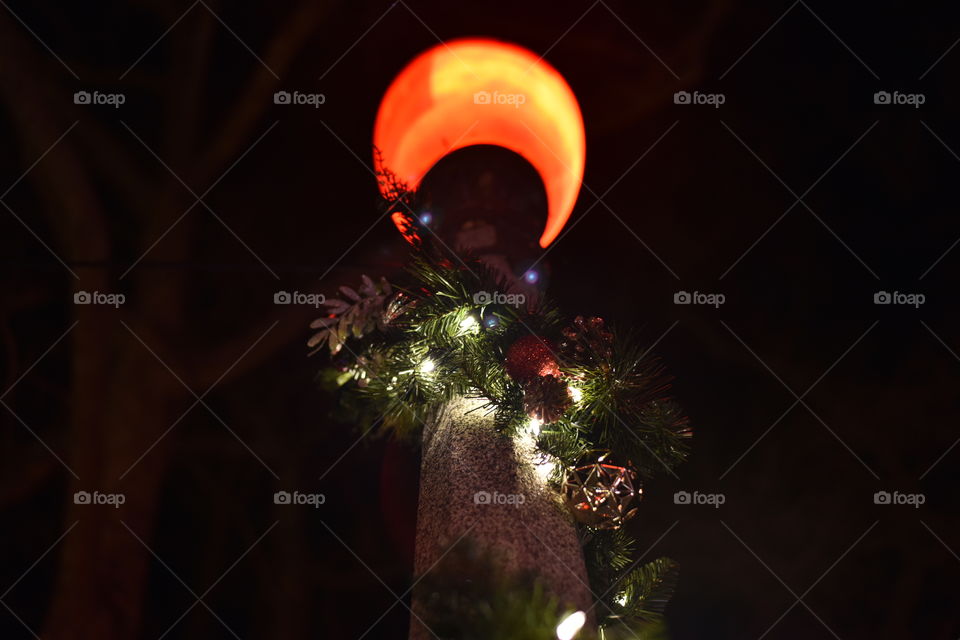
402 352
438 348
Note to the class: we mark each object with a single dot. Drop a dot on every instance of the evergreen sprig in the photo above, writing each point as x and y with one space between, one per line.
466 598
646 590
632 595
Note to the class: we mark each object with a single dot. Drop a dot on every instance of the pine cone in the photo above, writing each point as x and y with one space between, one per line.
587 341
546 398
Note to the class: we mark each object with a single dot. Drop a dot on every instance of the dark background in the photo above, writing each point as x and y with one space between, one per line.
799 518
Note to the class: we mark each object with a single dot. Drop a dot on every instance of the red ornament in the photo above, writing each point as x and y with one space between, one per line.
531 357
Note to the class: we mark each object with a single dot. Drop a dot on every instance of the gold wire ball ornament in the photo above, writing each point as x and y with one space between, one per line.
601 493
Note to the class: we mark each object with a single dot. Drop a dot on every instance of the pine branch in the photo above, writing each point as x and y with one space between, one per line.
646 590
467 598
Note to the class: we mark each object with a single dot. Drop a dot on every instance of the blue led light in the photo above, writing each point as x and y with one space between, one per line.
531 276
426 218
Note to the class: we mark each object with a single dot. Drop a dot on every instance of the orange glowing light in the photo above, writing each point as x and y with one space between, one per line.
478 91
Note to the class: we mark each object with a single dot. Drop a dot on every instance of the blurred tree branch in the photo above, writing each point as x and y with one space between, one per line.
121 400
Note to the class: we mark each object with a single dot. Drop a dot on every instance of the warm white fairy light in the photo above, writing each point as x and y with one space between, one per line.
571 625
533 426
469 324
621 599
426 366
576 393
545 466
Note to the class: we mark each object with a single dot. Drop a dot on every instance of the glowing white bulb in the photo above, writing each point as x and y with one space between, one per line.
469 324
576 394
545 468
533 426
622 599
427 366
571 625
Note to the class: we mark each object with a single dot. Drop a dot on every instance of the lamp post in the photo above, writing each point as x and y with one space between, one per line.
479 487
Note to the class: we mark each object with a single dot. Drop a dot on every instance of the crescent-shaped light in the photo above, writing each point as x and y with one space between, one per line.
479 91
